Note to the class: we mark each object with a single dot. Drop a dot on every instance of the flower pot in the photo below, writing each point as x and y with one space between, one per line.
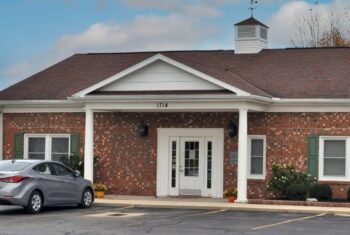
100 194
231 199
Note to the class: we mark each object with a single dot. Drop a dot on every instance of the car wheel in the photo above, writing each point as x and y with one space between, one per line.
86 199
35 203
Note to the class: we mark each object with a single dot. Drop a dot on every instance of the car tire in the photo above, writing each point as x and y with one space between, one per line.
86 199
35 203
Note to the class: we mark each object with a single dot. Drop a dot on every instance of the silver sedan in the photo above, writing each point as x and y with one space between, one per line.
35 184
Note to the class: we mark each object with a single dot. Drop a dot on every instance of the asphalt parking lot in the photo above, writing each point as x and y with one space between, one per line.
129 220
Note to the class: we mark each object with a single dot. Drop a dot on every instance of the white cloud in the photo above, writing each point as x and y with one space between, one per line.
144 33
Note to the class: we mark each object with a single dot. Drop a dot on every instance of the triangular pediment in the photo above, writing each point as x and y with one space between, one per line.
160 74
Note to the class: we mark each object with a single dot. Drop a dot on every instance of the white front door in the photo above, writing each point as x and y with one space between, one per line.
190 162
191 165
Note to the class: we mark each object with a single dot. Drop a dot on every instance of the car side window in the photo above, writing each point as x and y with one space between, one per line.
43 169
62 171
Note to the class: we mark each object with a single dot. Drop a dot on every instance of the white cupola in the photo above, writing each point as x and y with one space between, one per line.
251 36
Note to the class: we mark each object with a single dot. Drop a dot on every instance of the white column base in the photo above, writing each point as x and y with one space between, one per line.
241 201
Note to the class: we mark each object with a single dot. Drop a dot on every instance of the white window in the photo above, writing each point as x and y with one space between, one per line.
46 146
256 157
334 158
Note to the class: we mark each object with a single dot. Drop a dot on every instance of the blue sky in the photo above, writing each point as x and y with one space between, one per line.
38 33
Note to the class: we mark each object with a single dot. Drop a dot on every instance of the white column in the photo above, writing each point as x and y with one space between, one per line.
1 135
89 145
242 156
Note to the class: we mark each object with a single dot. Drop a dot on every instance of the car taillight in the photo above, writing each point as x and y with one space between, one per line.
13 179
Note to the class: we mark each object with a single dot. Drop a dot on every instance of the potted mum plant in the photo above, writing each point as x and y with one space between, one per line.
231 194
100 190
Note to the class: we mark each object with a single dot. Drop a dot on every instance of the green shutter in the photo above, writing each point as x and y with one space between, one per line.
18 146
75 144
312 155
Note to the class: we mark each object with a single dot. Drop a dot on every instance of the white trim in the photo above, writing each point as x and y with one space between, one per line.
159 57
256 137
48 143
89 145
242 175
163 176
321 159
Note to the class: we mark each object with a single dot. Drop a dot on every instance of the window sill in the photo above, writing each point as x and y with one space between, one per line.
333 179
256 177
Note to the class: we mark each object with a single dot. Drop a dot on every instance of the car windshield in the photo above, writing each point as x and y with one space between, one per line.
13 165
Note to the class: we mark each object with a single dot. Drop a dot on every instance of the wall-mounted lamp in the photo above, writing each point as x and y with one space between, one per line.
143 129
232 129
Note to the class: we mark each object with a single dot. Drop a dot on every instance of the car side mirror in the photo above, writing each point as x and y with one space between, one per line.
76 174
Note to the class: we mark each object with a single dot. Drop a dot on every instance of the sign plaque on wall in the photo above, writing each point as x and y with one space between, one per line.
233 158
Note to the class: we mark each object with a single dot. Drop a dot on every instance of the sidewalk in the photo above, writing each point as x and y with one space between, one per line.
214 204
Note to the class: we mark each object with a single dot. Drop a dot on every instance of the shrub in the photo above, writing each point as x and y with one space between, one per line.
297 192
284 176
349 194
322 192
75 162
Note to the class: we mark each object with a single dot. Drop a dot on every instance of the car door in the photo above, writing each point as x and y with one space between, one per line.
48 183
70 188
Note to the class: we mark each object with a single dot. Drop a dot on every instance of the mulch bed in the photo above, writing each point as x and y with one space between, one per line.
335 203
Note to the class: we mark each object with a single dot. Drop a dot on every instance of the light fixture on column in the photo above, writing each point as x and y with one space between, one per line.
232 129
143 129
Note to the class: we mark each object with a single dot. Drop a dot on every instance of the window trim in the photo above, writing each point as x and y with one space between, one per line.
256 176
321 176
48 143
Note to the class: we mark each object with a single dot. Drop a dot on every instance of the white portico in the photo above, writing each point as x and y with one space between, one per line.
190 161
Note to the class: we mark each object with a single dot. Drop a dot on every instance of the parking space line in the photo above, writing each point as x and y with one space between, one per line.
287 221
176 217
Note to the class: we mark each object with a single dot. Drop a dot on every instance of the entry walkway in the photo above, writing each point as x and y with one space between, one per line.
212 203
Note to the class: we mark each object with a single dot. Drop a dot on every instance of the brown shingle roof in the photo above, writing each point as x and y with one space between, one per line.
251 21
283 73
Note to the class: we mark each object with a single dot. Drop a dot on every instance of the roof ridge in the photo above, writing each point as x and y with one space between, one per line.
152 52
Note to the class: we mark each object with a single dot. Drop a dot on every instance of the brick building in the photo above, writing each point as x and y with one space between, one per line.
189 122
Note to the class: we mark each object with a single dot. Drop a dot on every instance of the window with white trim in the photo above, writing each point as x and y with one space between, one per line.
46 146
334 158
256 157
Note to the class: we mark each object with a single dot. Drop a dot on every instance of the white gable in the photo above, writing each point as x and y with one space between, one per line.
160 76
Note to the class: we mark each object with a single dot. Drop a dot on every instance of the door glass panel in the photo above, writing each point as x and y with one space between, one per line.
191 158
209 163
36 148
173 164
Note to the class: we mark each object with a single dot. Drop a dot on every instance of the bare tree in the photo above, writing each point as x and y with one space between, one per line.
315 30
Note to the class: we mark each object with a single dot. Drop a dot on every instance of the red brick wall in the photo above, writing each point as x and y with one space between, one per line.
127 162
286 137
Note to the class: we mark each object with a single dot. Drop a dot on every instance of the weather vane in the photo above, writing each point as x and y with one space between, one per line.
252 6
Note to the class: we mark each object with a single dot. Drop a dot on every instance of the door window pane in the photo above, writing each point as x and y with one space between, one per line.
43 169
191 158
173 164
334 157
36 148
61 170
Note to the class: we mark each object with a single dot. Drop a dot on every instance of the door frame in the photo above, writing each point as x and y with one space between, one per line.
164 137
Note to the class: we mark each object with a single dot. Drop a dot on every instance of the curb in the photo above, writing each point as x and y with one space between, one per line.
259 208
